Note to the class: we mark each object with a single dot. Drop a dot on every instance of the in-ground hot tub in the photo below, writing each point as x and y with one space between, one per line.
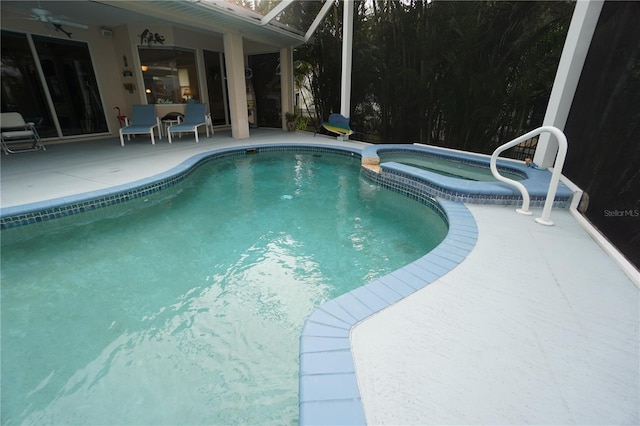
456 175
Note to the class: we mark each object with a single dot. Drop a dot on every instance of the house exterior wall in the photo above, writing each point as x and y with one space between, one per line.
116 52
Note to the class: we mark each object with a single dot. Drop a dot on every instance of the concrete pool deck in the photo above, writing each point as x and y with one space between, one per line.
537 325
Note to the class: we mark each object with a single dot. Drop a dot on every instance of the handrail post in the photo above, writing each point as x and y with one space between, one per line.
555 176
494 170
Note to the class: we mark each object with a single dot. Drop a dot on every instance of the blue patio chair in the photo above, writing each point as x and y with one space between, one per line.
143 120
15 130
194 117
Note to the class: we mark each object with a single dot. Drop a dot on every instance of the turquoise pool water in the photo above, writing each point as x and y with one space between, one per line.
446 167
187 308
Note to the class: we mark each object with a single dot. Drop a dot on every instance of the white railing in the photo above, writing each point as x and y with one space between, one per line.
555 176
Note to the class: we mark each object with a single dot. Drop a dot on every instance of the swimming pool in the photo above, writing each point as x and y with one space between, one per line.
120 347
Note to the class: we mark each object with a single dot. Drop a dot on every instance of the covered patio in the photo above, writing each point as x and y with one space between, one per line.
77 67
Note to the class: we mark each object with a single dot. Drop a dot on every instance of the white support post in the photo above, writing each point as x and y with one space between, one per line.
576 46
234 55
347 54
286 83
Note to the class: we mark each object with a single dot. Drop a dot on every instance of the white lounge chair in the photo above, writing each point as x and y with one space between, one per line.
16 130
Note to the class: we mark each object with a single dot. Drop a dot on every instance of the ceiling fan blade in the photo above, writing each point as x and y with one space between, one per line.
40 14
48 18
67 23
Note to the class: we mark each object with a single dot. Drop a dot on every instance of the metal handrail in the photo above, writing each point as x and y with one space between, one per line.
555 176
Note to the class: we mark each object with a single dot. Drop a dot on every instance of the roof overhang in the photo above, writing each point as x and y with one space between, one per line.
218 16
205 16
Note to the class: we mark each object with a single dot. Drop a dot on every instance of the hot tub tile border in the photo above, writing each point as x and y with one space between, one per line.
416 180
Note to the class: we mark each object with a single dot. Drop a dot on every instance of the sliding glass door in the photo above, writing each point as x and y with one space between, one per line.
217 87
69 76
22 90
61 94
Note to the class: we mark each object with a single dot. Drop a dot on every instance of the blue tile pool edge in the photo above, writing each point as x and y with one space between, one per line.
42 211
328 386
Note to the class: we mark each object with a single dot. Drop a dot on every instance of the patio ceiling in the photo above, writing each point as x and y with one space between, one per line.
206 16
218 16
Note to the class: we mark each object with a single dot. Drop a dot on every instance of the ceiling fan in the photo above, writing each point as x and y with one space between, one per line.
55 21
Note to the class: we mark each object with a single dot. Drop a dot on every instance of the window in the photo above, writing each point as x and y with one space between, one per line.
170 75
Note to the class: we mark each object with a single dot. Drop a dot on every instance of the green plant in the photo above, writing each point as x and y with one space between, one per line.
302 123
292 120
291 117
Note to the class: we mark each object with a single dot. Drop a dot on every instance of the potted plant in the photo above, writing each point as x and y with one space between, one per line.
292 121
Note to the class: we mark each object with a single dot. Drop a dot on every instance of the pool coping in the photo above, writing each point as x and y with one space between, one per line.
329 392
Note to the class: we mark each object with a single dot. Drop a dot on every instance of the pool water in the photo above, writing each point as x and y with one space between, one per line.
446 167
187 309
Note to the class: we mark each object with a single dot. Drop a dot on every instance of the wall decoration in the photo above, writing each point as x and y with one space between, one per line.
148 37
122 119
59 28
